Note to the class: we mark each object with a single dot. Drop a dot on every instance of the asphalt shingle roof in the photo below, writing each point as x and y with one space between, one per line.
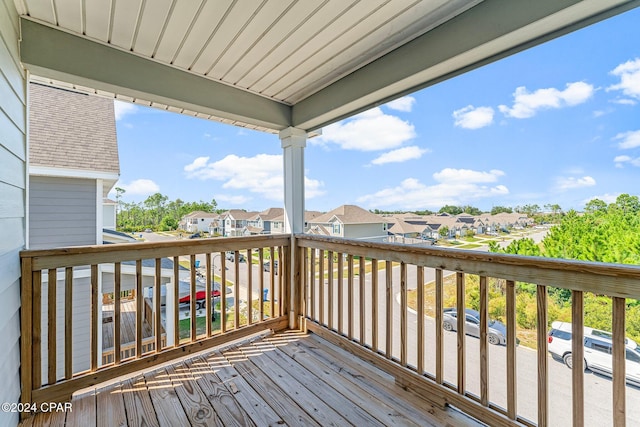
71 130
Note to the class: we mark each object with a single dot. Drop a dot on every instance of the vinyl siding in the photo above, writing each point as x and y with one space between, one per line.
13 148
62 212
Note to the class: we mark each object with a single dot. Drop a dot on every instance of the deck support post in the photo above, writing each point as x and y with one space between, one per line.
293 142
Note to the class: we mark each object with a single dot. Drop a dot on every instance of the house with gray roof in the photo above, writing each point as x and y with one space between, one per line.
73 153
350 221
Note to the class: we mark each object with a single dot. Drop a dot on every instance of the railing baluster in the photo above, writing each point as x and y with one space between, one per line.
192 297
439 335
68 322
362 272
321 287
350 296
261 267
223 294
52 338
577 356
543 371
374 305
619 362
389 301
420 318
282 271
312 286
341 292
156 304
330 286
176 301
484 360
461 318
403 314
272 286
116 313
139 309
249 287
304 308
511 351
37 330
236 291
207 297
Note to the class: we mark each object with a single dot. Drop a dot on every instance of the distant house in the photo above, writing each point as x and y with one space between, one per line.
197 221
262 222
350 221
235 222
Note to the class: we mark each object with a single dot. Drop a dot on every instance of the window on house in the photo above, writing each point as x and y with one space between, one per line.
336 228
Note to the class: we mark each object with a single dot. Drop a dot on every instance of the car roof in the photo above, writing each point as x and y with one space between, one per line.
594 333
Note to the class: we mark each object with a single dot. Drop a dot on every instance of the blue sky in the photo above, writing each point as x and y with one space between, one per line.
559 123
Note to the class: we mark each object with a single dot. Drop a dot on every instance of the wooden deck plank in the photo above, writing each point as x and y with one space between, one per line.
382 385
49 419
253 404
84 410
309 402
110 409
229 412
355 414
195 403
165 399
138 403
349 390
284 405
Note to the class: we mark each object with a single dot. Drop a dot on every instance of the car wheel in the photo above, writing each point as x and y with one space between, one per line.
493 339
447 326
200 305
568 360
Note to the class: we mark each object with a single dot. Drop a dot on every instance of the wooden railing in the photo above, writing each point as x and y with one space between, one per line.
354 293
59 358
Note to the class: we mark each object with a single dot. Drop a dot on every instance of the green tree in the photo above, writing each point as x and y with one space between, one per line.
451 210
500 209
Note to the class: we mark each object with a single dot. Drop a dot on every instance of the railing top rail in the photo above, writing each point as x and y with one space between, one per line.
601 278
96 254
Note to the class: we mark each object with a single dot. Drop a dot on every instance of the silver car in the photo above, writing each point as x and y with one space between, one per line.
496 334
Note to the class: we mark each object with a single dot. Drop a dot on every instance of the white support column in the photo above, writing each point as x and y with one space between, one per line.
293 142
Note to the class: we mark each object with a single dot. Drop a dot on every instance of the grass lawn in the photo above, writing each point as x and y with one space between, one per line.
527 336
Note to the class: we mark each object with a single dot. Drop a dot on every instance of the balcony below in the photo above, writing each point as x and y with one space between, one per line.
289 378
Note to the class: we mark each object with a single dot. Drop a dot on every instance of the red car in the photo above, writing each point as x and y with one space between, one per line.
200 298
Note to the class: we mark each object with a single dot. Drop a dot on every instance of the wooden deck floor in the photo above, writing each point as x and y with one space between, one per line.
285 379
127 324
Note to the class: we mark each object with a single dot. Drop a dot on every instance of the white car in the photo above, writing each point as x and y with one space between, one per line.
597 351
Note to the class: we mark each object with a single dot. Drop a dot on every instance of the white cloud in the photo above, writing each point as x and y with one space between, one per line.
621 160
123 109
570 183
526 104
629 74
628 140
140 187
470 117
607 198
624 101
404 104
198 163
261 174
369 131
400 155
453 186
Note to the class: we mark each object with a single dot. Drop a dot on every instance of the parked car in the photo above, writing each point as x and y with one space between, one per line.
267 266
148 230
195 235
231 256
496 334
598 348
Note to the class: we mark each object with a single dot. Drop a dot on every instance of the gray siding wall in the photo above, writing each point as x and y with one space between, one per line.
13 119
62 212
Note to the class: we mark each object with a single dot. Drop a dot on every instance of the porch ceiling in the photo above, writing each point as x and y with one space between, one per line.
273 64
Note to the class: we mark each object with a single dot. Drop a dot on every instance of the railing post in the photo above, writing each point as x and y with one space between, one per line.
293 142
26 318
